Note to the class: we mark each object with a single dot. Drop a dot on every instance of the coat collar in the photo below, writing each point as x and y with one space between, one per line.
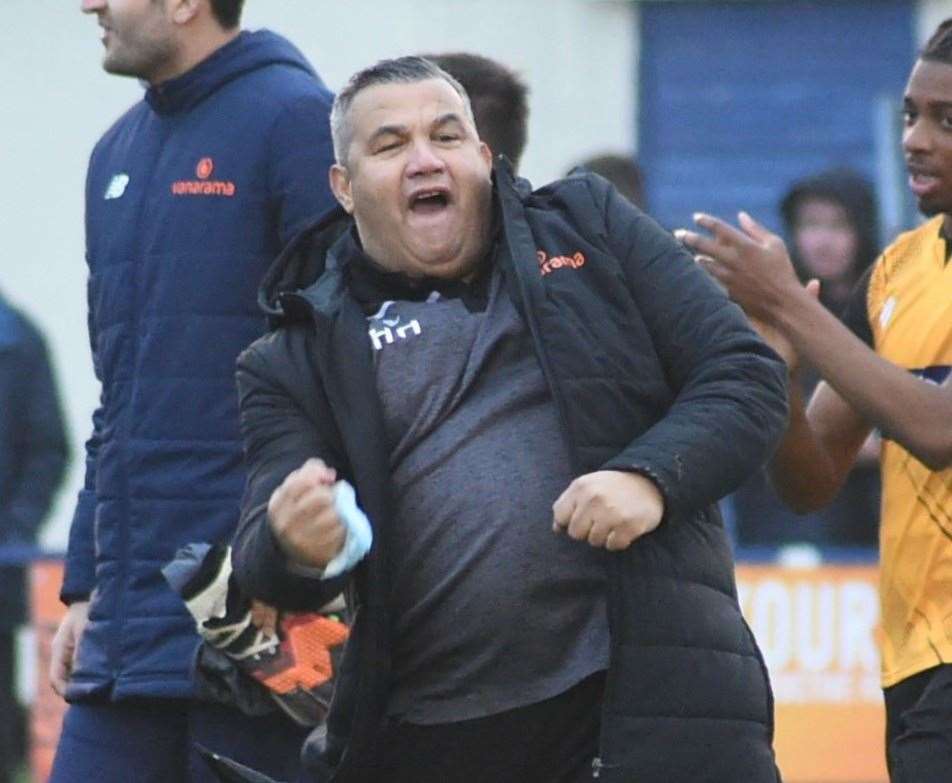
248 51
327 255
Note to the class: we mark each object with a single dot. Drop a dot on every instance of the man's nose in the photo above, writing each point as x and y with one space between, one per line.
424 160
916 136
92 6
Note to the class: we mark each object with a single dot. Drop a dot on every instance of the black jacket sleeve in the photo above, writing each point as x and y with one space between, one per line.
730 403
40 441
280 433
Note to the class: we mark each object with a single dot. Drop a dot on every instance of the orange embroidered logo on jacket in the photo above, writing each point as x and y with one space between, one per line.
549 264
204 168
203 186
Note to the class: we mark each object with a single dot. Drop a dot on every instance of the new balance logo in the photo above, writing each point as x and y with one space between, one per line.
385 331
117 186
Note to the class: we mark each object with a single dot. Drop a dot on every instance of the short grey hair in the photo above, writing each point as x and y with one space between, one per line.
400 70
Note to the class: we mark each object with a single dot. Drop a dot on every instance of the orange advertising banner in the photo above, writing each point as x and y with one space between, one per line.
46 714
817 628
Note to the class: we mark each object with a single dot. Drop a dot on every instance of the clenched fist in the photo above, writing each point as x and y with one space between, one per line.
608 508
302 515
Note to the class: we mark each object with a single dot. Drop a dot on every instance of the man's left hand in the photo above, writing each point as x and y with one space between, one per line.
609 508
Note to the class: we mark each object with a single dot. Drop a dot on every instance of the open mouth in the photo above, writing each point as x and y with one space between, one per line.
429 202
922 183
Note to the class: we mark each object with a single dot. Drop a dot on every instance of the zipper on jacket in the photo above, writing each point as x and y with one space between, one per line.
555 388
523 284
116 659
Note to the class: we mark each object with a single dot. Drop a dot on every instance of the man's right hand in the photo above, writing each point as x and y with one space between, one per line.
65 644
302 515
755 269
750 262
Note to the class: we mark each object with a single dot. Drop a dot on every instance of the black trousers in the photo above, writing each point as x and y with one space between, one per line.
553 741
919 727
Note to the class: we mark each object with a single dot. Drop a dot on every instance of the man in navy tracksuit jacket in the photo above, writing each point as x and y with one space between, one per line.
188 198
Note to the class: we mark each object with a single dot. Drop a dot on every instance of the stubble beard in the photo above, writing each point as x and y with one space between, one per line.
139 59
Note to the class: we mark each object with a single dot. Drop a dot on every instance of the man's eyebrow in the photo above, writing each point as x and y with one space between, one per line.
387 130
444 119
933 104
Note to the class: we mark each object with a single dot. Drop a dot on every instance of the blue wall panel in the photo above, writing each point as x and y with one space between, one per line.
739 99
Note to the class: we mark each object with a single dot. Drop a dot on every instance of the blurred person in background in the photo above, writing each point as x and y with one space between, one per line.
189 197
622 171
888 367
831 222
33 457
499 98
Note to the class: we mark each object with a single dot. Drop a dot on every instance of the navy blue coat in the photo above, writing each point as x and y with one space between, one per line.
651 369
189 196
33 449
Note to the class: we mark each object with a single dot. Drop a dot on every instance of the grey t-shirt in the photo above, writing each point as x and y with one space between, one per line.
492 609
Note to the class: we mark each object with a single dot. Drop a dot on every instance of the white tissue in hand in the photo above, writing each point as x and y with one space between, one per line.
359 535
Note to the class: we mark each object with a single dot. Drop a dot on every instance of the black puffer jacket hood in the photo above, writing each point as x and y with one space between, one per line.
302 262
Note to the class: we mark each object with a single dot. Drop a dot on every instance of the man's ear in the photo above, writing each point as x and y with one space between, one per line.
183 11
339 178
486 154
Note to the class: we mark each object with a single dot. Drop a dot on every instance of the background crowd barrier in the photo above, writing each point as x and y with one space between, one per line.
46 711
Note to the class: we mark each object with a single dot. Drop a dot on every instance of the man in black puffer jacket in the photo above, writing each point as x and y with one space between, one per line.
537 398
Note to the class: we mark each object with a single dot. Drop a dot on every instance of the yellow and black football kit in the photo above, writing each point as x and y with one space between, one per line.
908 309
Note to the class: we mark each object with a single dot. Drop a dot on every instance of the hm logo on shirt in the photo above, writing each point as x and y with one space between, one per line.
385 331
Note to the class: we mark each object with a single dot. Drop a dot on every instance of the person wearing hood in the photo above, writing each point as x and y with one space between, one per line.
535 399
189 196
830 220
